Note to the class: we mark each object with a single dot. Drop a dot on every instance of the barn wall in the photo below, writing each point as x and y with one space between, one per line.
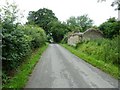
87 35
73 40
92 35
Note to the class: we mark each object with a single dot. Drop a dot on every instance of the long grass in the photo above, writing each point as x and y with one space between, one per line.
21 77
99 54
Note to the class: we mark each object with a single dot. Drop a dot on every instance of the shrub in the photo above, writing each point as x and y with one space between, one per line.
15 48
110 28
37 34
18 42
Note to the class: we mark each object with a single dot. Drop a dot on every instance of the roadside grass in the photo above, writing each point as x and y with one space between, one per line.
21 77
104 66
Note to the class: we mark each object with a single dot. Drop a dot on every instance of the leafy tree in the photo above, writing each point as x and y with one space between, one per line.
9 12
80 23
73 25
42 18
110 28
58 30
84 21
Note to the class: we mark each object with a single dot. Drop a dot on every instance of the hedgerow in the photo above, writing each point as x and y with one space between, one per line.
18 42
37 34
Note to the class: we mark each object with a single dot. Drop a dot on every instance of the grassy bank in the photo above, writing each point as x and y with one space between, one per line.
91 58
21 77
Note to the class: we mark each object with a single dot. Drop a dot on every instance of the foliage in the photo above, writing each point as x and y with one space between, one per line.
9 12
103 49
17 41
15 47
110 28
21 77
80 23
58 30
54 29
42 18
105 66
102 53
71 22
46 19
36 34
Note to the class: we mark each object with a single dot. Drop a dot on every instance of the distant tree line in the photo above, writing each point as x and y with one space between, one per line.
56 30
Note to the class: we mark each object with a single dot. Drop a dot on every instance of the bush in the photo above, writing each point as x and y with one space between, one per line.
18 42
110 28
37 34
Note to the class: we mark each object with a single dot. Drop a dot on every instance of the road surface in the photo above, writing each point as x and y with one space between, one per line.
58 68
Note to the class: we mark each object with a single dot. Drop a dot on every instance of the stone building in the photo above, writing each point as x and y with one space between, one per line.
89 34
92 34
75 38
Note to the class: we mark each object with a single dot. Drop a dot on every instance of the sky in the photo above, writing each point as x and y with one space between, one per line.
63 9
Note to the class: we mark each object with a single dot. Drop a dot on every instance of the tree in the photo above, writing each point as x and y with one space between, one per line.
110 28
58 30
84 21
9 12
73 25
42 18
117 2
80 23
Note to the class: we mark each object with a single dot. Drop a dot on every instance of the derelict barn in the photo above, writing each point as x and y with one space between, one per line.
89 34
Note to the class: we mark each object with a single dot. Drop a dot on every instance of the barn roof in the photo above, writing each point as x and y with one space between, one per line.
87 31
92 30
74 34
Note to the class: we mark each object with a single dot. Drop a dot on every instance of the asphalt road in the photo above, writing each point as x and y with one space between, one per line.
58 68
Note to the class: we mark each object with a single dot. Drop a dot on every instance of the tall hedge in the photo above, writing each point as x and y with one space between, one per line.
18 41
37 34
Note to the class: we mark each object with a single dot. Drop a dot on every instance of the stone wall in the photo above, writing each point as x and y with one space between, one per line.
92 34
73 40
89 34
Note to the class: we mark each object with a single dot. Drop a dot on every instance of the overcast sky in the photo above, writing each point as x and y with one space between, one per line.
63 9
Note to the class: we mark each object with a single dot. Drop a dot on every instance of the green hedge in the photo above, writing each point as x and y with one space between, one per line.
18 42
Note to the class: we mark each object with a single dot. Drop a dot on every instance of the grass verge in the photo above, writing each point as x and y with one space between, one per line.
106 67
21 77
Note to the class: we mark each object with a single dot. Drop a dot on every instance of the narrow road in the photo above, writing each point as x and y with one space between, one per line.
58 68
